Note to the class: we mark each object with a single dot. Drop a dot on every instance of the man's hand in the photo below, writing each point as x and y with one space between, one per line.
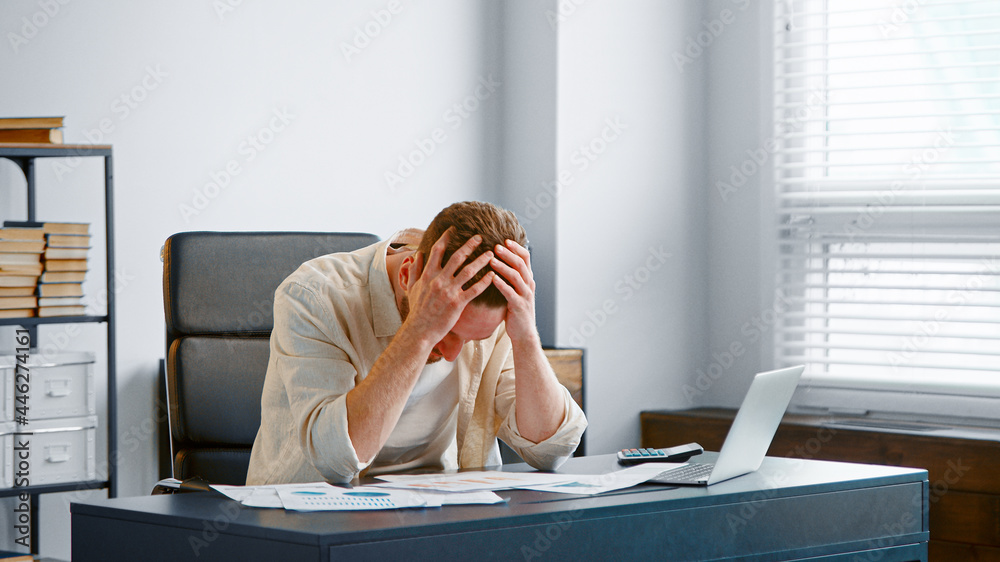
513 263
537 393
436 300
435 293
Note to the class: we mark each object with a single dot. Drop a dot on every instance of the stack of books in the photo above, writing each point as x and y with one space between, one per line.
45 130
21 250
60 269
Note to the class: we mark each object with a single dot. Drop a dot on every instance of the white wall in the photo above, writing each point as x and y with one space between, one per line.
201 82
214 81
528 139
630 147
740 278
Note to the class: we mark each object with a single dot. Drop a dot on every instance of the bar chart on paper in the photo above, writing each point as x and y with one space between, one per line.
352 499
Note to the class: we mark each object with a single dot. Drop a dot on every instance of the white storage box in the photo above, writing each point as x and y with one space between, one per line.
6 391
7 430
61 385
60 450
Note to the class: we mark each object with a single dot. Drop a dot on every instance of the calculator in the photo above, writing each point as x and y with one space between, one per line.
681 453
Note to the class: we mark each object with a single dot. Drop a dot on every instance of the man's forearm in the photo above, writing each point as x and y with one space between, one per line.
538 396
375 404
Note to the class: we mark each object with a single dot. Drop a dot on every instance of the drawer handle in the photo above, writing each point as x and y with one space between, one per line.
57 453
57 387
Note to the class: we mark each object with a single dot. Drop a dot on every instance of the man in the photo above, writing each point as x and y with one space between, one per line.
401 356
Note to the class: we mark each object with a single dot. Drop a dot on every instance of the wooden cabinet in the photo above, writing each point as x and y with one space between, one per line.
963 464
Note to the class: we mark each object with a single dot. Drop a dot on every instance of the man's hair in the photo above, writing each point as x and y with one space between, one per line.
469 218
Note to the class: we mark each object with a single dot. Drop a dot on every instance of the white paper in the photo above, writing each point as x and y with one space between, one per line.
437 499
490 480
262 496
590 484
270 496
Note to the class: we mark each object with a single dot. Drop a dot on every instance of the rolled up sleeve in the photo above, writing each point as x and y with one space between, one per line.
316 375
553 451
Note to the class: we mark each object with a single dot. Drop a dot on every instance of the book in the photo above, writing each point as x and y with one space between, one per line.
67 240
18 302
76 310
65 253
17 258
18 280
65 265
46 136
22 234
19 246
58 301
62 277
17 291
11 556
30 122
53 227
17 313
60 289
21 269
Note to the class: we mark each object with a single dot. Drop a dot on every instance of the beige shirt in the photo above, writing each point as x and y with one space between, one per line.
333 317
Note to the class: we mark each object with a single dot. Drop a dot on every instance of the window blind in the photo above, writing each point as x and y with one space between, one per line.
887 192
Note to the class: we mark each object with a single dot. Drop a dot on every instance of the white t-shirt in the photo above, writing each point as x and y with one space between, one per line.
425 435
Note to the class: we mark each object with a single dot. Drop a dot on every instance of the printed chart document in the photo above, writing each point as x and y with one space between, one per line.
321 496
591 484
361 498
489 480
539 481
399 491
263 496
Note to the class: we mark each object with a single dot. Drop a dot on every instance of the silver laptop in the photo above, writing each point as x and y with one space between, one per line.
750 435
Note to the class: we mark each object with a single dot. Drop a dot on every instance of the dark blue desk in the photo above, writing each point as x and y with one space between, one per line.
788 510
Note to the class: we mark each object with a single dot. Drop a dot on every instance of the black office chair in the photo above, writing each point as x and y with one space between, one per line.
218 293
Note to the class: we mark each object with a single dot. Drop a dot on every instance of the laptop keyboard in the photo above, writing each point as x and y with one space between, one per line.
692 472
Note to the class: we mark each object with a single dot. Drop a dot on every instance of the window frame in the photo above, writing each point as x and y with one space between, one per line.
823 395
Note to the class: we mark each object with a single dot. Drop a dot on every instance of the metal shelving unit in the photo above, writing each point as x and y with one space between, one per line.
24 155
